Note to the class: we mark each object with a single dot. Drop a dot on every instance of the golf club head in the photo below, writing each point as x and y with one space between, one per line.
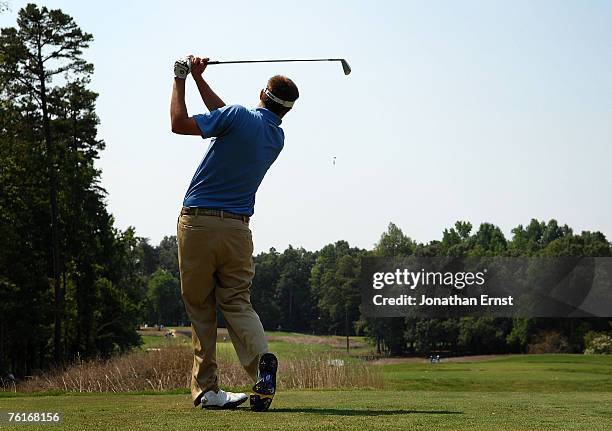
345 67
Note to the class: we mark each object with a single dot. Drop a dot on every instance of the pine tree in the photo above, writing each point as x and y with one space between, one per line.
45 44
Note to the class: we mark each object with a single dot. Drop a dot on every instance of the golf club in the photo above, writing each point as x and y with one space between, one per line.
345 66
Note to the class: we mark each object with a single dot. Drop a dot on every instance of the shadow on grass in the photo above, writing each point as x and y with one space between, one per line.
360 412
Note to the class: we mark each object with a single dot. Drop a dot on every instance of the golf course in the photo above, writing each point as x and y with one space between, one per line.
505 392
295 216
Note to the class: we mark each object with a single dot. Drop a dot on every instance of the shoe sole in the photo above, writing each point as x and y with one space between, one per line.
226 406
260 403
261 398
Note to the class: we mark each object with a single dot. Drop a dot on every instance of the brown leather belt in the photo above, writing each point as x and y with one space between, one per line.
214 213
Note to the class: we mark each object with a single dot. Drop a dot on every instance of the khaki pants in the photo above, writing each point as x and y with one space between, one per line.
216 265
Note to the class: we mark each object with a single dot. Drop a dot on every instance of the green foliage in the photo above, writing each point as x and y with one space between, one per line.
480 335
389 333
598 344
264 288
295 303
394 243
432 335
519 336
164 299
63 272
281 292
334 286
115 319
168 255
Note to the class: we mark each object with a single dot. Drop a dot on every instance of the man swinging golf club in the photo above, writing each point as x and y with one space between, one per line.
214 240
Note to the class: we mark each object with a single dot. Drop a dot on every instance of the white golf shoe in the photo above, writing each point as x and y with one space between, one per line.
222 400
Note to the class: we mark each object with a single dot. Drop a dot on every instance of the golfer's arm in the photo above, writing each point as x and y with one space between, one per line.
209 97
180 121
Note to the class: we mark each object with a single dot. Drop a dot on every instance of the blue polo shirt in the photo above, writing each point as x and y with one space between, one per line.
245 144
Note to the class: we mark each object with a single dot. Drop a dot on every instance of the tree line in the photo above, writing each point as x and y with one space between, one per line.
318 291
485 335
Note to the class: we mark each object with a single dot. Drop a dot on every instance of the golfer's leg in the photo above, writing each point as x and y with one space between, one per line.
203 337
235 273
242 351
196 264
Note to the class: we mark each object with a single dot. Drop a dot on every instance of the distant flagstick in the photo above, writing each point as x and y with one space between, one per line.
345 66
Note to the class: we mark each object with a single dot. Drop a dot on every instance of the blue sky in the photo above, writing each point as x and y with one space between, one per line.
480 111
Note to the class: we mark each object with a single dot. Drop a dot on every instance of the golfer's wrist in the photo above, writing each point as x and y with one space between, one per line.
198 78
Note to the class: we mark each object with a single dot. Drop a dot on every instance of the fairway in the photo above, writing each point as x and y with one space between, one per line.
512 373
325 410
417 243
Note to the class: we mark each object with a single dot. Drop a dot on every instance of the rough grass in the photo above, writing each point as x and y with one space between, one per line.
169 368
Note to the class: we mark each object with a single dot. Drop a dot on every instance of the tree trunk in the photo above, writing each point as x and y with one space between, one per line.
2 357
55 251
292 326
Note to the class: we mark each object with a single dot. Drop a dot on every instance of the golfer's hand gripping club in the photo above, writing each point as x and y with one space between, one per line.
182 68
198 65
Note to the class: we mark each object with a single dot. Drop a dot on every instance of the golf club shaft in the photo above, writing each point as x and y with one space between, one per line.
272 61
345 66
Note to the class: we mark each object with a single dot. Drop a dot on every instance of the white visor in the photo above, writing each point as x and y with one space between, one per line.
281 102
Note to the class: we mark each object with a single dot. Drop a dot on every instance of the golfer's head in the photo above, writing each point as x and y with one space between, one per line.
280 91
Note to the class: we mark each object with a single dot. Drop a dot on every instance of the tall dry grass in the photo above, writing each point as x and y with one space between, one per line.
170 368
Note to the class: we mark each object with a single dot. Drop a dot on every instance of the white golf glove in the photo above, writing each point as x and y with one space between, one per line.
182 68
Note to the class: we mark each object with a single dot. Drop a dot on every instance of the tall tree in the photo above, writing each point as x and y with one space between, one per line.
23 240
57 240
293 290
45 44
164 298
168 255
334 287
264 288
388 332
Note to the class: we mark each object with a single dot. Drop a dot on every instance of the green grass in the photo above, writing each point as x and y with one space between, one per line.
521 392
287 349
528 373
284 344
332 410
280 348
156 342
